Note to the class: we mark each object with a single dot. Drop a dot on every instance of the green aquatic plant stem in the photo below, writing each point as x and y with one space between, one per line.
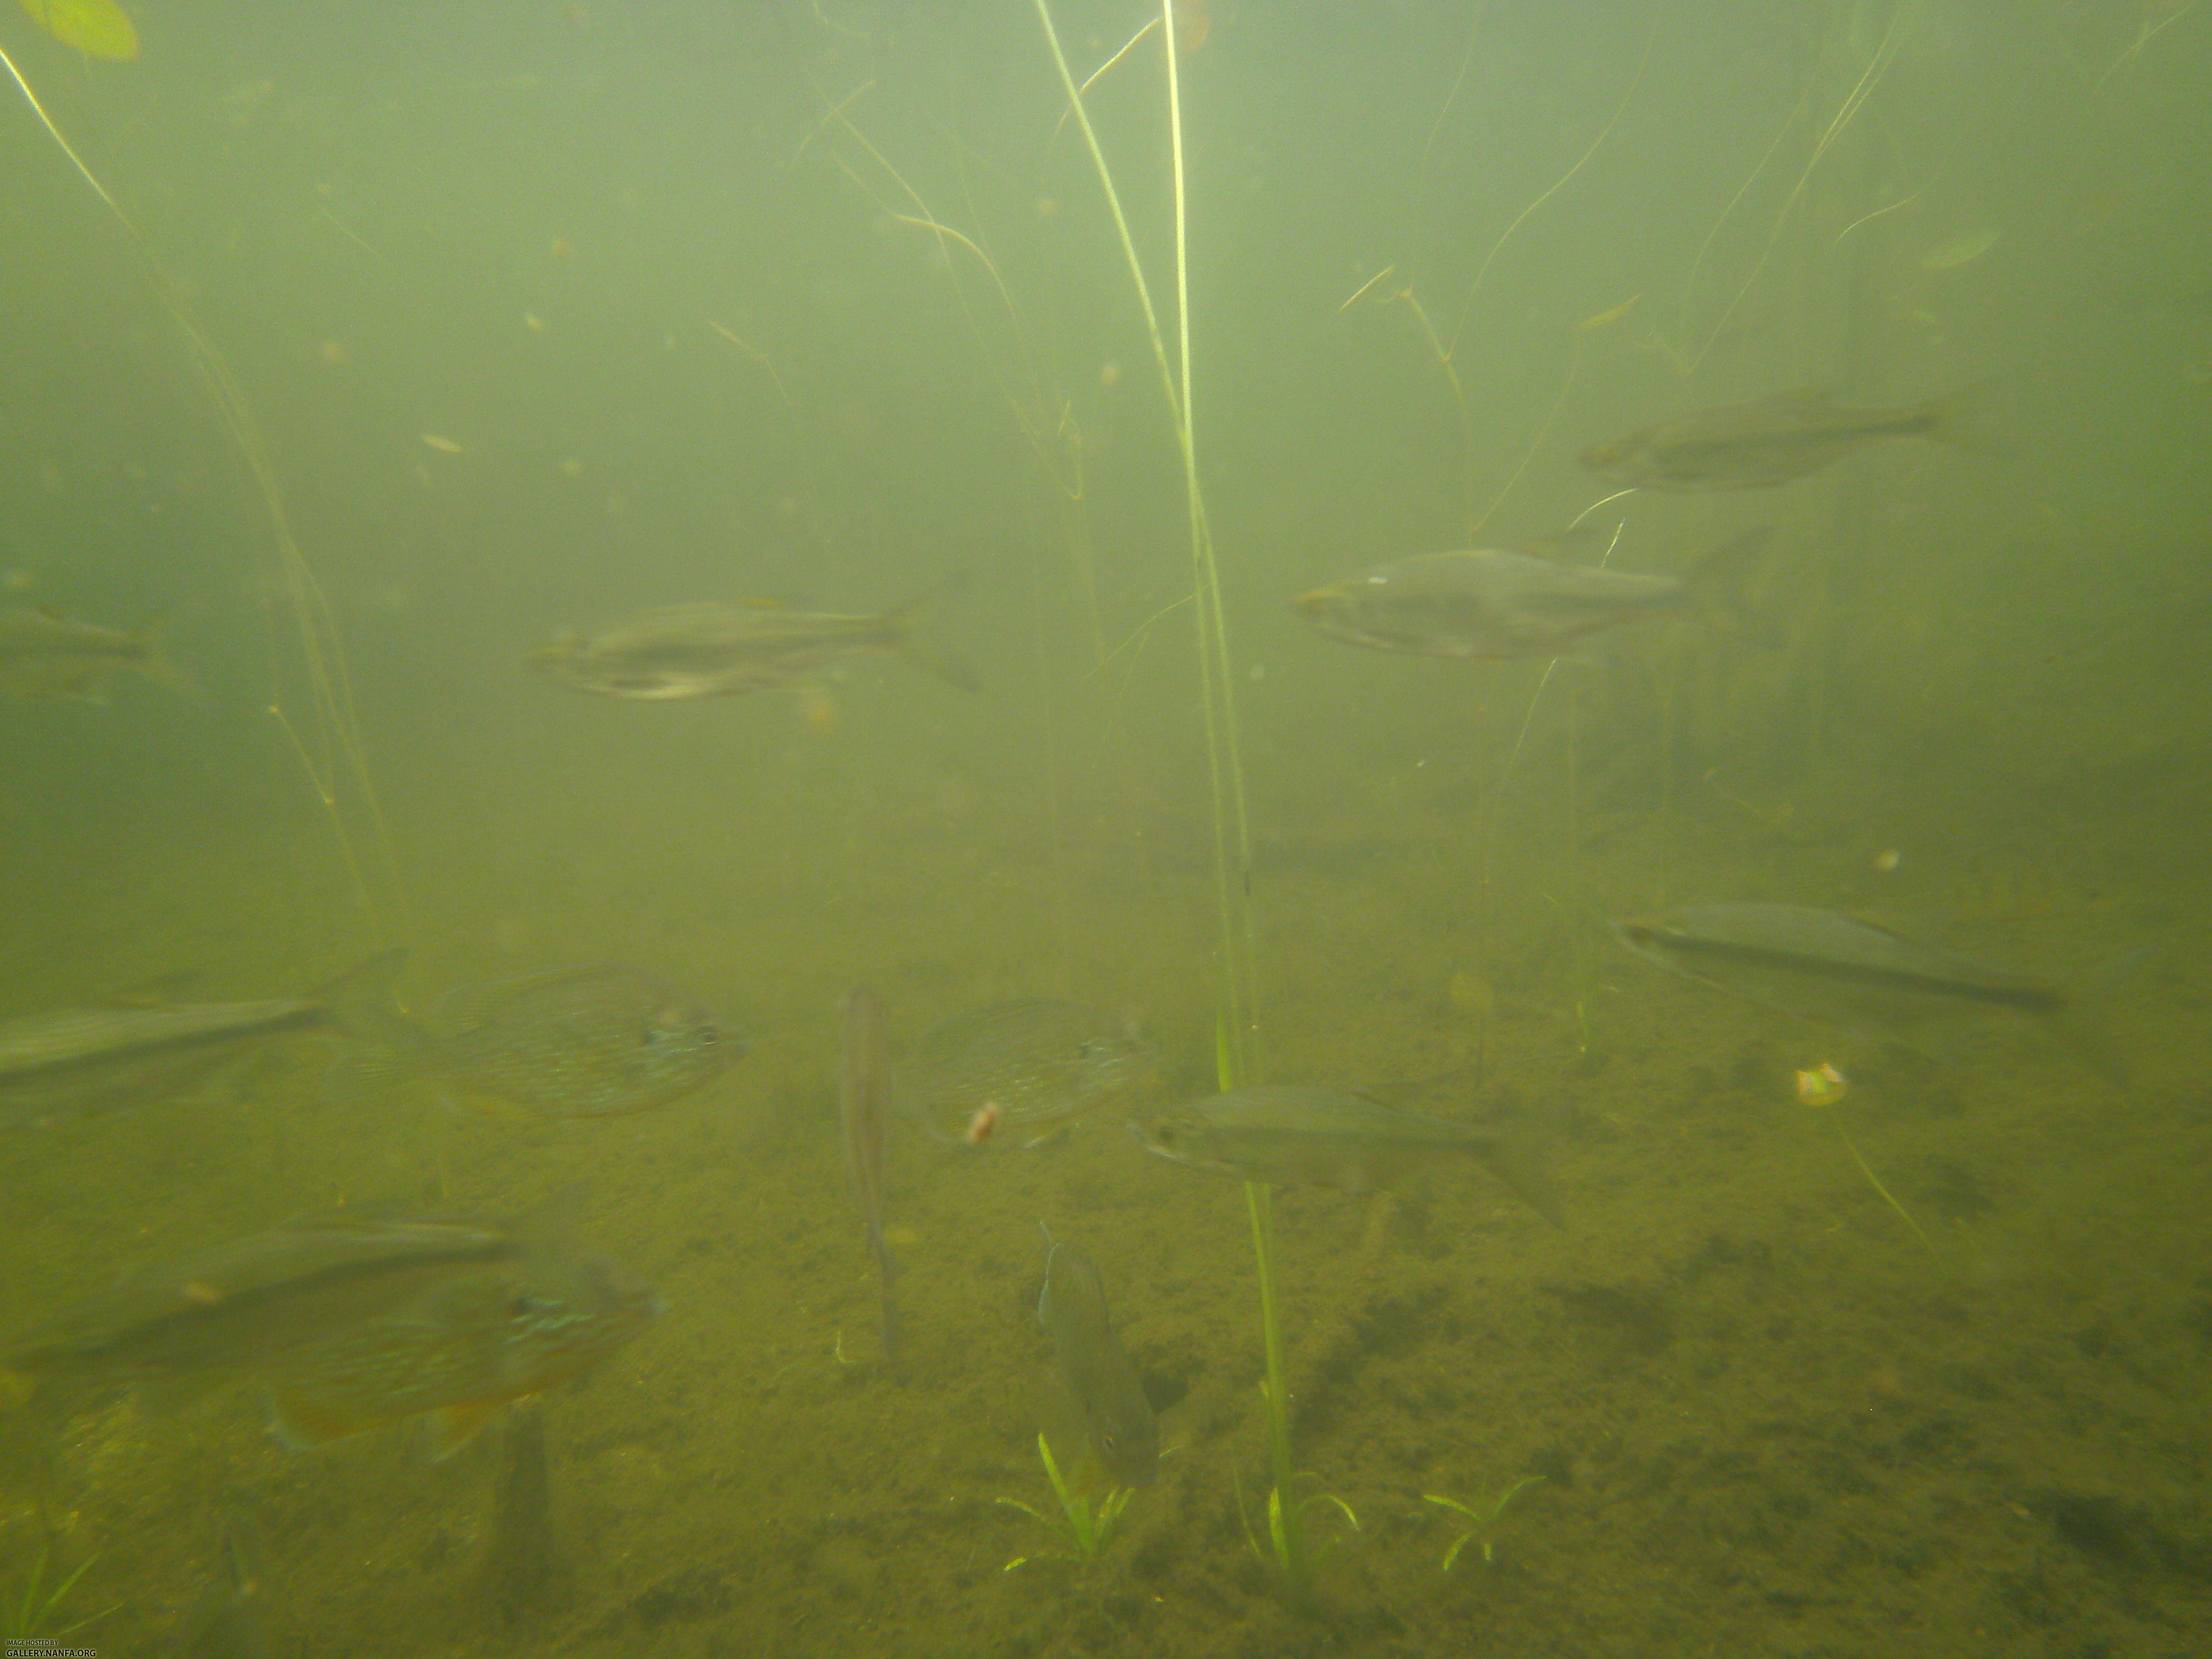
1231 823
1081 1526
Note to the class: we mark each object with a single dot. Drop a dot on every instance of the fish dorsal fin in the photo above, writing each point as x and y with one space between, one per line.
474 1005
157 992
1578 542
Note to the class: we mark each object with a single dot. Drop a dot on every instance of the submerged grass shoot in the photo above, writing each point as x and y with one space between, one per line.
1082 1524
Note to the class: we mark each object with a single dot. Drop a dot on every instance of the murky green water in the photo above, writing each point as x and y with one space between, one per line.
544 315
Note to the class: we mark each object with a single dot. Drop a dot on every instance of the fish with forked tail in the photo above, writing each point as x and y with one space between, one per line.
1757 446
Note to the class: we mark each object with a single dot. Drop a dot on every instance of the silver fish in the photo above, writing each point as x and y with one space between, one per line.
80 1058
864 1089
1094 1367
44 653
1024 1067
717 649
1329 1137
600 1041
1757 446
1504 602
230 1310
1836 969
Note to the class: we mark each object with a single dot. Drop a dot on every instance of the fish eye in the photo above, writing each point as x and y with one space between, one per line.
707 1036
1164 1133
1106 1443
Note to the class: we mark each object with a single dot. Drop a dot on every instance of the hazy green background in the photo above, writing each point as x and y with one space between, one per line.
1803 1434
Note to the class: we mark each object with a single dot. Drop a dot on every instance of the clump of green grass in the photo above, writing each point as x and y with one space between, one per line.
1483 1514
30 1614
1080 1525
1283 1549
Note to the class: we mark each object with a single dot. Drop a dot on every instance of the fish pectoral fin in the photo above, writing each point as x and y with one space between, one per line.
1522 1175
453 1427
301 1425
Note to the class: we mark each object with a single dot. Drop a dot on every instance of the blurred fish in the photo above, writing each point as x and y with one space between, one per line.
1095 1367
84 1058
460 1351
230 1618
600 1041
44 653
1500 602
98 28
1823 966
1960 250
864 1088
1025 1066
1332 1139
1756 446
233 1309
721 649
523 1573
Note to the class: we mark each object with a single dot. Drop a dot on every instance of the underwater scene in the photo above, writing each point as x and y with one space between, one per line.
1005 828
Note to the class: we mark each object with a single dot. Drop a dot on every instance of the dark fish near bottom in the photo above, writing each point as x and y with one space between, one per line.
1329 1138
1094 1367
230 1620
863 1104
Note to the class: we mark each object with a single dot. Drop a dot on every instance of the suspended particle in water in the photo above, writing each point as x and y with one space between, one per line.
1887 860
533 322
442 444
818 708
331 351
1109 373
563 250
571 468
1047 207
981 1126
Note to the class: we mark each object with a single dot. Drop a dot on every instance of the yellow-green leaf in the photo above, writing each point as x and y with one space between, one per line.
98 28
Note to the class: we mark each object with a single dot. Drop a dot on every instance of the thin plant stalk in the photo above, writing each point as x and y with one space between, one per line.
1235 1055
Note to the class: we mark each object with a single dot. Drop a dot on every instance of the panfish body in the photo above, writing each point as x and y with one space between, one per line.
1757 446
46 654
1095 1369
600 1040
1030 1063
460 1352
1329 1138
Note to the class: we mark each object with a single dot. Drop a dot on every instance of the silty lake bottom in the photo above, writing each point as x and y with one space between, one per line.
423 341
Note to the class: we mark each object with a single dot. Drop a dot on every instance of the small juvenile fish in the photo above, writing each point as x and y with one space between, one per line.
1500 602
1025 1066
601 1041
1757 446
89 1058
1328 1138
231 1309
1094 1367
1823 966
230 1619
44 653
717 649
460 1352
864 1090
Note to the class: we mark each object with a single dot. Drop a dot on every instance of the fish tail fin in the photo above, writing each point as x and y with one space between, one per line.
1523 1174
1719 582
1956 418
901 622
381 1047
153 663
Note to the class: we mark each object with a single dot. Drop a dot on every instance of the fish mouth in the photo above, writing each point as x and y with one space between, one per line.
1321 602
